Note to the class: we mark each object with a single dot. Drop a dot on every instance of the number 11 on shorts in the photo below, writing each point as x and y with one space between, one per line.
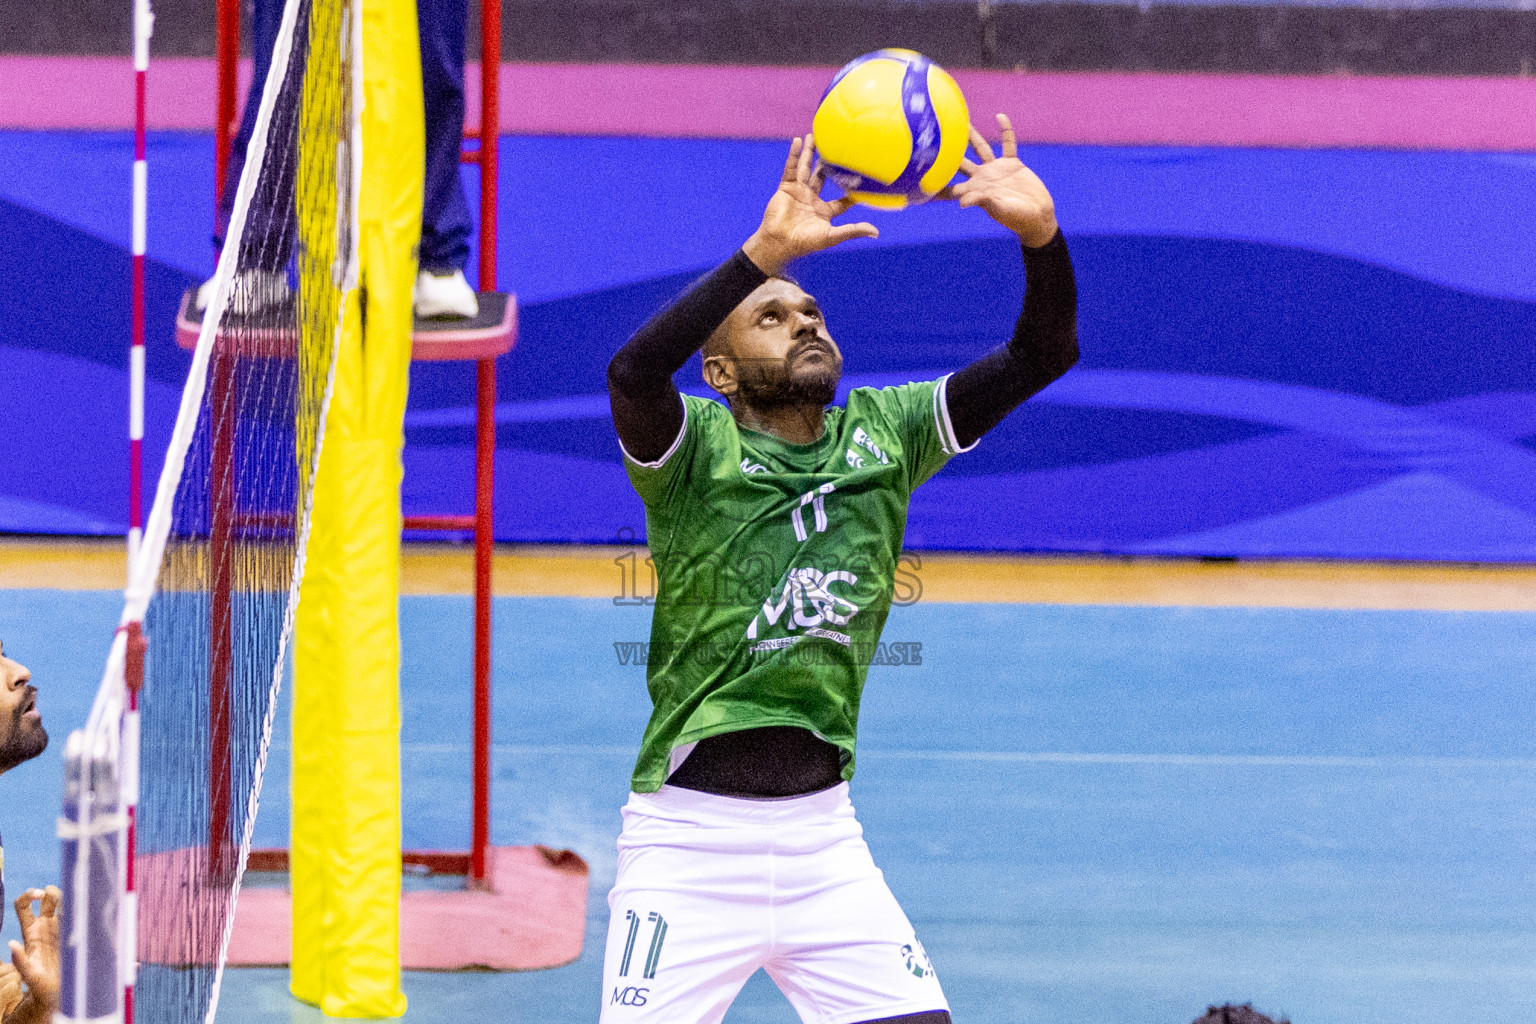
653 956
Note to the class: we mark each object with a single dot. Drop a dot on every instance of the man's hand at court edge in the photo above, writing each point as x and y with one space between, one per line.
10 989
1012 194
37 962
798 221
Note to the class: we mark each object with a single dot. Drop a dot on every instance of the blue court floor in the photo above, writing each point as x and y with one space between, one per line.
1090 813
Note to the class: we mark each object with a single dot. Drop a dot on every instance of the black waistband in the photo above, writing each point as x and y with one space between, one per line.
774 761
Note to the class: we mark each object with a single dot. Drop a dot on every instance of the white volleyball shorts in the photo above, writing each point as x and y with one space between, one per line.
711 888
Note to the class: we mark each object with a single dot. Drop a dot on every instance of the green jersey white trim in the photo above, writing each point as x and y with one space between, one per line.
676 443
941 421
776 566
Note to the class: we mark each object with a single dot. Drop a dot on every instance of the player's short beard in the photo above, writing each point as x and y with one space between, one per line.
772 384
23 741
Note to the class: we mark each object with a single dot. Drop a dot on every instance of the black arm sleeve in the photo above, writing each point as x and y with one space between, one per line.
647 409
1044 347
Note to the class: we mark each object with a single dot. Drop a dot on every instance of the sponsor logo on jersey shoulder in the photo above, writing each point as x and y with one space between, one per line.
864 441
749 467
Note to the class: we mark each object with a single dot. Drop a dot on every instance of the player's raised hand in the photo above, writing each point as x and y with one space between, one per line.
1010 193
38 960
798 221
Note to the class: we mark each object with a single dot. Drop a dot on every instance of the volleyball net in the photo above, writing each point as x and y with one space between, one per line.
162 783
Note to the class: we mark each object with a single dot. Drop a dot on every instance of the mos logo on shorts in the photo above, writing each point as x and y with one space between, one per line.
629 996
916 959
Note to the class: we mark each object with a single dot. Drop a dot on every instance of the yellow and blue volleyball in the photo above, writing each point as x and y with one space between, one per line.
891 128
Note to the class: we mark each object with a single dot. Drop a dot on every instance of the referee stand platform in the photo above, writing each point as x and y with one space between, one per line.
488 335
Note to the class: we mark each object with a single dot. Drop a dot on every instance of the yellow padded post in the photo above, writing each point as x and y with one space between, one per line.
345 845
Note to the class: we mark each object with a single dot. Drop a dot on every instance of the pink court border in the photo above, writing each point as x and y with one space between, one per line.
711 101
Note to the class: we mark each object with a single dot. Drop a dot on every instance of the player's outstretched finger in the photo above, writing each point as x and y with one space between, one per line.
955 189
1010 143
967 168
981 146
23 905
792 161
25 967
863 229
840 205
808 150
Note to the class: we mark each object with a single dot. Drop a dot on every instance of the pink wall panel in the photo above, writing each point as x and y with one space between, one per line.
773 102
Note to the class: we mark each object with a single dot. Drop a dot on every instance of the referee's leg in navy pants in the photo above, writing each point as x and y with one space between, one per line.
445 224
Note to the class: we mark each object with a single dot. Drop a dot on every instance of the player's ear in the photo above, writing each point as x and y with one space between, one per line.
720 375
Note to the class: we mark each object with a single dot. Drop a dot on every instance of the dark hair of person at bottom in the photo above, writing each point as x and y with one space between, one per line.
1231 1013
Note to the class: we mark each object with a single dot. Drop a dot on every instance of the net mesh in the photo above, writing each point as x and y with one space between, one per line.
218 575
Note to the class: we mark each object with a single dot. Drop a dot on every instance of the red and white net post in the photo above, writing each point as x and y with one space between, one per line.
99 930
143 29
128 920
135 647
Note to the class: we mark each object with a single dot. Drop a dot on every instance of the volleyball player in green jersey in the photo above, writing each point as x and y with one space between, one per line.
775 525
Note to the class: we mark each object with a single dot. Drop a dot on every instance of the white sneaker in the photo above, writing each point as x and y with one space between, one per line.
254 291
445 295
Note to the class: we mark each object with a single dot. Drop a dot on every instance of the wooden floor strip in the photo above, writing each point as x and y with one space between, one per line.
580 571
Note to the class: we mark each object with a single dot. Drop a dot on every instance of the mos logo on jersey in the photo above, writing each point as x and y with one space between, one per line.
807 601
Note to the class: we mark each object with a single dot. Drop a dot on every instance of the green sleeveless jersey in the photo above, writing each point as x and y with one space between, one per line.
776 566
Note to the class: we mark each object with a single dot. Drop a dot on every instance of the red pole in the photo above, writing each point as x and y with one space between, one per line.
485 456
485 437
490 130
227 47
221 411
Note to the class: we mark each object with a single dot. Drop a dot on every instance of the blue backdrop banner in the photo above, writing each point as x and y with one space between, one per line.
1310 354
